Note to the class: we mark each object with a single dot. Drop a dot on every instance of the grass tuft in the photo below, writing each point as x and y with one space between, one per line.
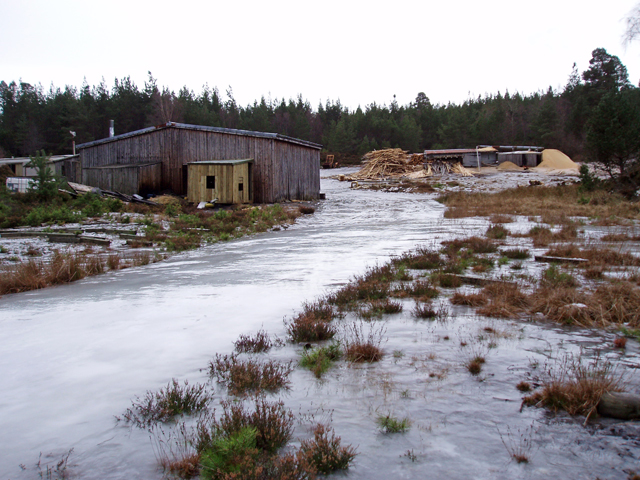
576 386
320 359
361 346
390 424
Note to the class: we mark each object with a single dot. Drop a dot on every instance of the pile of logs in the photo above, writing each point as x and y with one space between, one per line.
395 162
379 164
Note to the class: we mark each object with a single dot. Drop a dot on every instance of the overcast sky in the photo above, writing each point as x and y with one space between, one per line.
358 52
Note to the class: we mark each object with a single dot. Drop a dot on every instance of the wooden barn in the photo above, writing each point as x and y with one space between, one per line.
158 159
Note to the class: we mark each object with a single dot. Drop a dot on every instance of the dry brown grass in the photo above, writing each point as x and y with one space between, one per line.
615 237
473 244
497 219
469 299
562 305
576 386
361 345
61 268
506 300
616 303
559 201
597 256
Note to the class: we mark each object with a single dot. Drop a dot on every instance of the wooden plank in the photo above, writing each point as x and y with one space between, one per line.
545 258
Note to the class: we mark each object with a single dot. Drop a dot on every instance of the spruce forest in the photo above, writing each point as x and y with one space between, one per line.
32 118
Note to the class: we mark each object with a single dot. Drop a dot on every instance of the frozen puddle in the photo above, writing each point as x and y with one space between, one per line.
74 356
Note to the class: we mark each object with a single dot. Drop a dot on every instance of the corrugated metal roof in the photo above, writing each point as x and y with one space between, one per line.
203 128
452 151
222 162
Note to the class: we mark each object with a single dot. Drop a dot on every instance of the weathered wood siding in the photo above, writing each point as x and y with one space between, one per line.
127 179
227 180
281 170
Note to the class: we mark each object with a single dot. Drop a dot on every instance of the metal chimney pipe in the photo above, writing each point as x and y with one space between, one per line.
112 130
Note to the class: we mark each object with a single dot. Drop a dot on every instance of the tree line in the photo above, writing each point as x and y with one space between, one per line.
33 119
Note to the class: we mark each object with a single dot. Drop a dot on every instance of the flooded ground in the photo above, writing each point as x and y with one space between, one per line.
74 356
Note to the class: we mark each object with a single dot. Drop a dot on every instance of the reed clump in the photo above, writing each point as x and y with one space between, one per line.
361 345
59 269
575 385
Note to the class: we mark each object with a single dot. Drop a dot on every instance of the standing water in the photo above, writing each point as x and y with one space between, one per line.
74 356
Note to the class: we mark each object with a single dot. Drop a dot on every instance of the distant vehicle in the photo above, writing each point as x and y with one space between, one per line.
329 162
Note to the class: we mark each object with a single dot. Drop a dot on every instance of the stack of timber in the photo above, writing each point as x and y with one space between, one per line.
379 164
79 189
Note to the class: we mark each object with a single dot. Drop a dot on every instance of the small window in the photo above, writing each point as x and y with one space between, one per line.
211 181
240 187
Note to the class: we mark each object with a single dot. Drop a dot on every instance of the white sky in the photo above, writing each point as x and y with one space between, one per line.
358 52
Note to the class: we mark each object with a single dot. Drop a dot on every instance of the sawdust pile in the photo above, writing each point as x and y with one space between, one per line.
556 160
460 170
167 200
509 166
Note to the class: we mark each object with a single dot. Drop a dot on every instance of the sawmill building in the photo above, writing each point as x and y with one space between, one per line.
241 165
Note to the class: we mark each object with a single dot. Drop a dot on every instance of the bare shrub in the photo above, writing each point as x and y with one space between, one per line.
576 386
306 210
260 342
113 261
424 311
166 403
325 453
175 451
242 377
272 421
361 346
309 328
386 306
518 445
